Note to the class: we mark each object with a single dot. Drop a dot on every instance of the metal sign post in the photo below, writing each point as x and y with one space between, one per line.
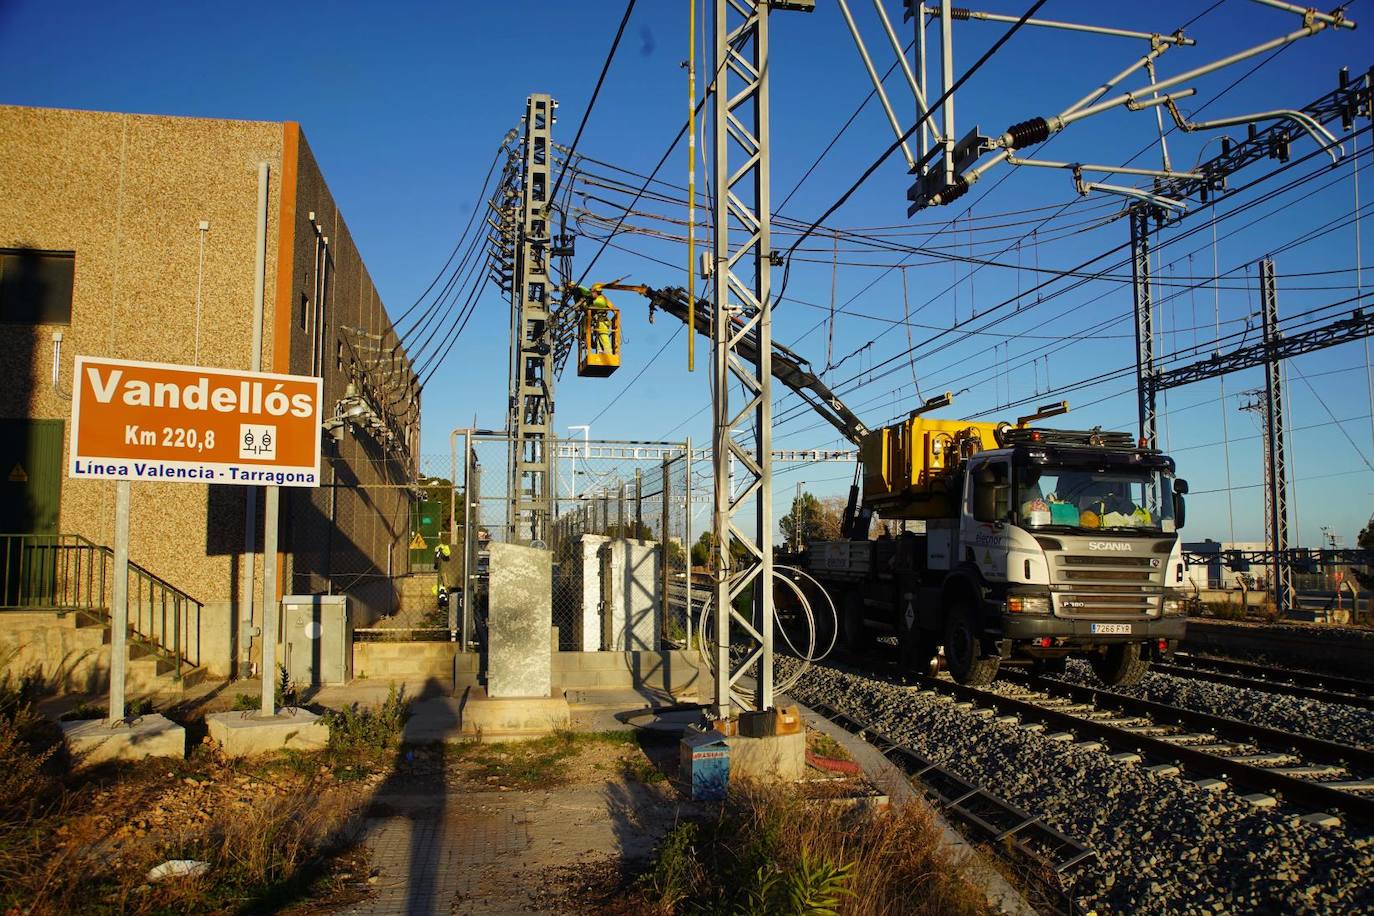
271 609
119 605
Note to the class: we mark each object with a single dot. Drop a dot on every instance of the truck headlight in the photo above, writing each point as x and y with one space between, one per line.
1173 607
1029 604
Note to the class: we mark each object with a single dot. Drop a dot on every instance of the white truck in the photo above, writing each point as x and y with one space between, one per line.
1015 544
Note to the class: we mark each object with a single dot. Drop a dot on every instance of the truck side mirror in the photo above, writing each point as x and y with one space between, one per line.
1181 486
1180 507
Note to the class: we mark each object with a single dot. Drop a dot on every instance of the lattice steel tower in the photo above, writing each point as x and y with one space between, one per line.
532 379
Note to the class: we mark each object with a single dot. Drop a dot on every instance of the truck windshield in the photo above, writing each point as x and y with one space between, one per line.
1117 498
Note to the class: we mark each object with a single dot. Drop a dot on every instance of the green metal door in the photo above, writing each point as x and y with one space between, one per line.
30 475
426 523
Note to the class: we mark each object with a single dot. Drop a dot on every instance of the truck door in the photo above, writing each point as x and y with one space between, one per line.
986 517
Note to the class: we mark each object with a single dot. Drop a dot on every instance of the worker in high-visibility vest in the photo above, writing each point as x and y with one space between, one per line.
600 308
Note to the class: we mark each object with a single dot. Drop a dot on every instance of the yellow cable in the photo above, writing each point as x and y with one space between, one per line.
691 183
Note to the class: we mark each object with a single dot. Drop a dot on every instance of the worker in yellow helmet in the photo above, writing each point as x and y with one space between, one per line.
600 308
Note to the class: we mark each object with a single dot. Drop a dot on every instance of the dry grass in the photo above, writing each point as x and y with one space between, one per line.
83 841
770 851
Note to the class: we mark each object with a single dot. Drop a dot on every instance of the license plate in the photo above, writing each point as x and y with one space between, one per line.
1112 629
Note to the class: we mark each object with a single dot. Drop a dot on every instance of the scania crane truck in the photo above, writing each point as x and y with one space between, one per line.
1015 544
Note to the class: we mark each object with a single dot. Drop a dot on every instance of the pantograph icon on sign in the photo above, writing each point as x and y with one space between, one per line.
257 441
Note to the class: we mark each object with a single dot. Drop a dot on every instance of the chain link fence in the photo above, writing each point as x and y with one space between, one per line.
625 517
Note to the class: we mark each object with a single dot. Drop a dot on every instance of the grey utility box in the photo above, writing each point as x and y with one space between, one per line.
318 639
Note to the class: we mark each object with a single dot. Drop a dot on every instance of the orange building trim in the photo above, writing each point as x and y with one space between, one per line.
286 248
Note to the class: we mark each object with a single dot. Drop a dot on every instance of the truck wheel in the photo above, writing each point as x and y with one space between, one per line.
963 652
1121 665
857 638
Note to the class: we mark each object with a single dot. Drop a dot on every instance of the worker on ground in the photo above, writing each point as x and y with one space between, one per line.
599 307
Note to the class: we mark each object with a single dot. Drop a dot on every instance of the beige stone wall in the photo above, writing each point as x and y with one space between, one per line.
126 193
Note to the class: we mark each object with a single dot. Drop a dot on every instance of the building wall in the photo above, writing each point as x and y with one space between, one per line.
350 535
127 193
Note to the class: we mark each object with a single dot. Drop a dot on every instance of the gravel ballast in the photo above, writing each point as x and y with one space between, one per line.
1327 721
1164 845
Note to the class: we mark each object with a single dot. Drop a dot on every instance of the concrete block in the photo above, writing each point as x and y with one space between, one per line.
1087 746
1320 819
1211 785
506 718
247 734
1260 800
772 758
94 741
1061 737
1126 757
519 658
1163 769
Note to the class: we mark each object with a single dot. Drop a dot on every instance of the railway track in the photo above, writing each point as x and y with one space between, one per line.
1040 853
1306 684
1266 764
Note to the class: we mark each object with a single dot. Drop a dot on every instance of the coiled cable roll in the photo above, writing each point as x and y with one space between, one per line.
780 574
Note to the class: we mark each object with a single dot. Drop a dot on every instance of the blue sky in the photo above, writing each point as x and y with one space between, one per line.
404 106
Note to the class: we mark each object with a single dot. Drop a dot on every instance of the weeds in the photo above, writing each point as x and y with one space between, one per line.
641 770
770 852
825 746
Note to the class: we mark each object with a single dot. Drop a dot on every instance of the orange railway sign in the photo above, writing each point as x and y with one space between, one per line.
168 424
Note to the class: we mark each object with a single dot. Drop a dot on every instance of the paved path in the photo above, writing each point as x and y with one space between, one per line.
488 853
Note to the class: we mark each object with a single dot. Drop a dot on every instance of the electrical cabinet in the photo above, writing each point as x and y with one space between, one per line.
318 637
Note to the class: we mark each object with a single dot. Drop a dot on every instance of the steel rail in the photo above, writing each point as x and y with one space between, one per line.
1306 684
1316 749
1305 793
1001 824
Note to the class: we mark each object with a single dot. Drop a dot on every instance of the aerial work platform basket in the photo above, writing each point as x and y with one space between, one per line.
598 342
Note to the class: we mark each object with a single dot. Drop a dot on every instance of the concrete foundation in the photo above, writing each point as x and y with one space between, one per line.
632 595
510 718
247 734
775 758
94 741
519 610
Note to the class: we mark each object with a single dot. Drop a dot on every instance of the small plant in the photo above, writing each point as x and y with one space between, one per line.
245 702
814 886
379 729
676 869
286 693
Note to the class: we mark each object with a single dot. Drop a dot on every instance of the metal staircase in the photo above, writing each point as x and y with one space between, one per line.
69 574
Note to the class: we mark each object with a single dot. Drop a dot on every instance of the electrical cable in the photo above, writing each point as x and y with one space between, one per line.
596 91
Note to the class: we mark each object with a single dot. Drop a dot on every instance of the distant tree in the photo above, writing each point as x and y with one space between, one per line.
703 549
1365 541
811 519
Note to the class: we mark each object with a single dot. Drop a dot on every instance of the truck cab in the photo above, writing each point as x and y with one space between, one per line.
1066 549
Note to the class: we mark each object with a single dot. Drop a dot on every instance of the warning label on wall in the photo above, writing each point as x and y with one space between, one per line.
153 421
